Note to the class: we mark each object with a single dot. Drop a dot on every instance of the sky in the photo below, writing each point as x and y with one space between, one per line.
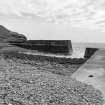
76 20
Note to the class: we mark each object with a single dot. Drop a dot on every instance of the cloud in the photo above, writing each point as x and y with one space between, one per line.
75 12
39 7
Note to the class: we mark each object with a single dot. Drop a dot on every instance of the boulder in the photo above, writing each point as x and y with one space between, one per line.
9 36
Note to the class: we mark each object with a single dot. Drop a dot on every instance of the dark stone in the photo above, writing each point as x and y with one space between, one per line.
9 36
90 76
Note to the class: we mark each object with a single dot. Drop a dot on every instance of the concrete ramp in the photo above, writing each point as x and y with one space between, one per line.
93 71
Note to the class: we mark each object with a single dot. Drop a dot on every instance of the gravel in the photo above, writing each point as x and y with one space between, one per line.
24 84
61 66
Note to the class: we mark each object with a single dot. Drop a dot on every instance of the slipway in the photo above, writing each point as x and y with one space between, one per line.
93 71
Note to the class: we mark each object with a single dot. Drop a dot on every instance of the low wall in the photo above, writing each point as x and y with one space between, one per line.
48 46
89 52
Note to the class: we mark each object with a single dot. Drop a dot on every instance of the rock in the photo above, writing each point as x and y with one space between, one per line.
9 36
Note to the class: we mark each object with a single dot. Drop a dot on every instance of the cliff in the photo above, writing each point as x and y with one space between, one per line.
10 36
